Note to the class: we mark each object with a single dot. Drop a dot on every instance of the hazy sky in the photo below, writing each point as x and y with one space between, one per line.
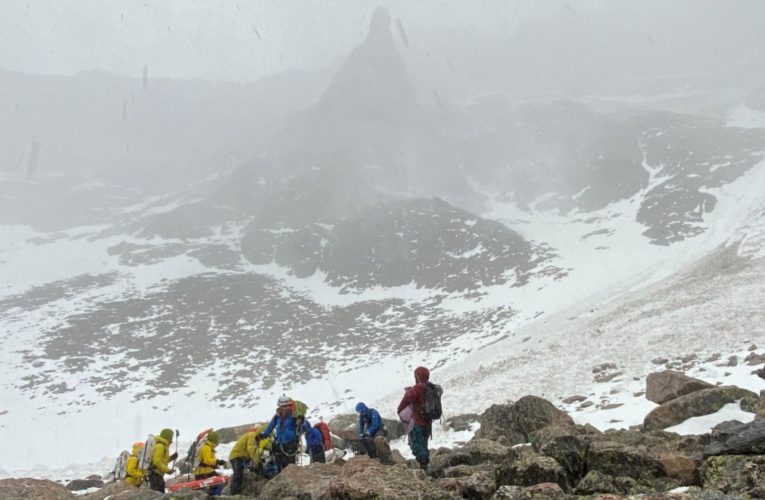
221 39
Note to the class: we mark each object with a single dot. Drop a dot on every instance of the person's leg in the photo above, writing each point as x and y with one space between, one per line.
418 442
157 482
236 479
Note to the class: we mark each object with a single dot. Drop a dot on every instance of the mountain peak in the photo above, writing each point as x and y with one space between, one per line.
372 83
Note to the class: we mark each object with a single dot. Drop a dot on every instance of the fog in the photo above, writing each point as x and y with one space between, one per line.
187 185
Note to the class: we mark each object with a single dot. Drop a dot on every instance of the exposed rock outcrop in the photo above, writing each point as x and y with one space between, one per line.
701 402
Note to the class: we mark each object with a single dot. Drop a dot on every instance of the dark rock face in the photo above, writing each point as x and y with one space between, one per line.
427 242
739 474
477 486
515 423
619 460
36 489
669 384
737 438
459 423
530 469
566 445
694 154
476 452
84 484
702 402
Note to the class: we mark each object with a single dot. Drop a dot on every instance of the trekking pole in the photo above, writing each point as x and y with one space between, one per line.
175 465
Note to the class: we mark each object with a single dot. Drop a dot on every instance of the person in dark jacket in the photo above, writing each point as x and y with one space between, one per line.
315 442
286 427
422 430
370 426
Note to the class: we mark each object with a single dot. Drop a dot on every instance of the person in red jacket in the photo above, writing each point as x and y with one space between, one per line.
422 430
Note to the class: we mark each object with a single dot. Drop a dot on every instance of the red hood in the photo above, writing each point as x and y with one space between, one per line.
421 374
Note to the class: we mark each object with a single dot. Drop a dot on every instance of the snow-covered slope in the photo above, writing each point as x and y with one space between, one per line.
499 244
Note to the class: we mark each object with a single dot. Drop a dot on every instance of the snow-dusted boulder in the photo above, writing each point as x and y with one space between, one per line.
736 438
669 384
37 489
695 404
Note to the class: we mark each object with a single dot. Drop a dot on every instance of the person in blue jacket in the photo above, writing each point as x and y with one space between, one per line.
370 426
287 428
314 439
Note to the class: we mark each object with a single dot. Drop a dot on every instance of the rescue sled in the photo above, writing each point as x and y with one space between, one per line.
199 484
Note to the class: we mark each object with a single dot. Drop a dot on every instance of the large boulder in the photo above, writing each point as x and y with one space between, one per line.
736 438
84 484
566 445
477 451
736 474
363 478
529 469
616 459
37 489
597 482
669 384
698 403
759 409
515 423
312 482
477 486
459 423
231 434
120 490
680 467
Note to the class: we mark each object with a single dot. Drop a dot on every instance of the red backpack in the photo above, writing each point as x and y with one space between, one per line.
324 428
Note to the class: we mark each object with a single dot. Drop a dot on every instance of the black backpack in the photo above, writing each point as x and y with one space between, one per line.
432 408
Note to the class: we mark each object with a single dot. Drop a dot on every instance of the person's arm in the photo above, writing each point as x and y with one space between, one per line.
374 426
361 424
158 459
405 401
270 428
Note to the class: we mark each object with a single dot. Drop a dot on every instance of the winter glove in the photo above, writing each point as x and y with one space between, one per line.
173 456
220 463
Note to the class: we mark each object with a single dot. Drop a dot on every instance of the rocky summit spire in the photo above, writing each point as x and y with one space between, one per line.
372 85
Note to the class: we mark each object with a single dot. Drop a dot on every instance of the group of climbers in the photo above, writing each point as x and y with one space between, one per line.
280 439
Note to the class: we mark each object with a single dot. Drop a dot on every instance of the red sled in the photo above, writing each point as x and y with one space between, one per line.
199 484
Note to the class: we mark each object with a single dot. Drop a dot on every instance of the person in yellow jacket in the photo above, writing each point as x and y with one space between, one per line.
247 451
160 460
134 475
208 462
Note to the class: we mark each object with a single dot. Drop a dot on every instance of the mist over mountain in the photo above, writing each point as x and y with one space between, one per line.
172 245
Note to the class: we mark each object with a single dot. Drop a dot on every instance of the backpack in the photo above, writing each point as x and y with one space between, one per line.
194 457
432 408
120 468
145 457
299 409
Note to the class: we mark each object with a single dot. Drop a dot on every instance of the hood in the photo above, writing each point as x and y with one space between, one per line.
421 374
361 408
